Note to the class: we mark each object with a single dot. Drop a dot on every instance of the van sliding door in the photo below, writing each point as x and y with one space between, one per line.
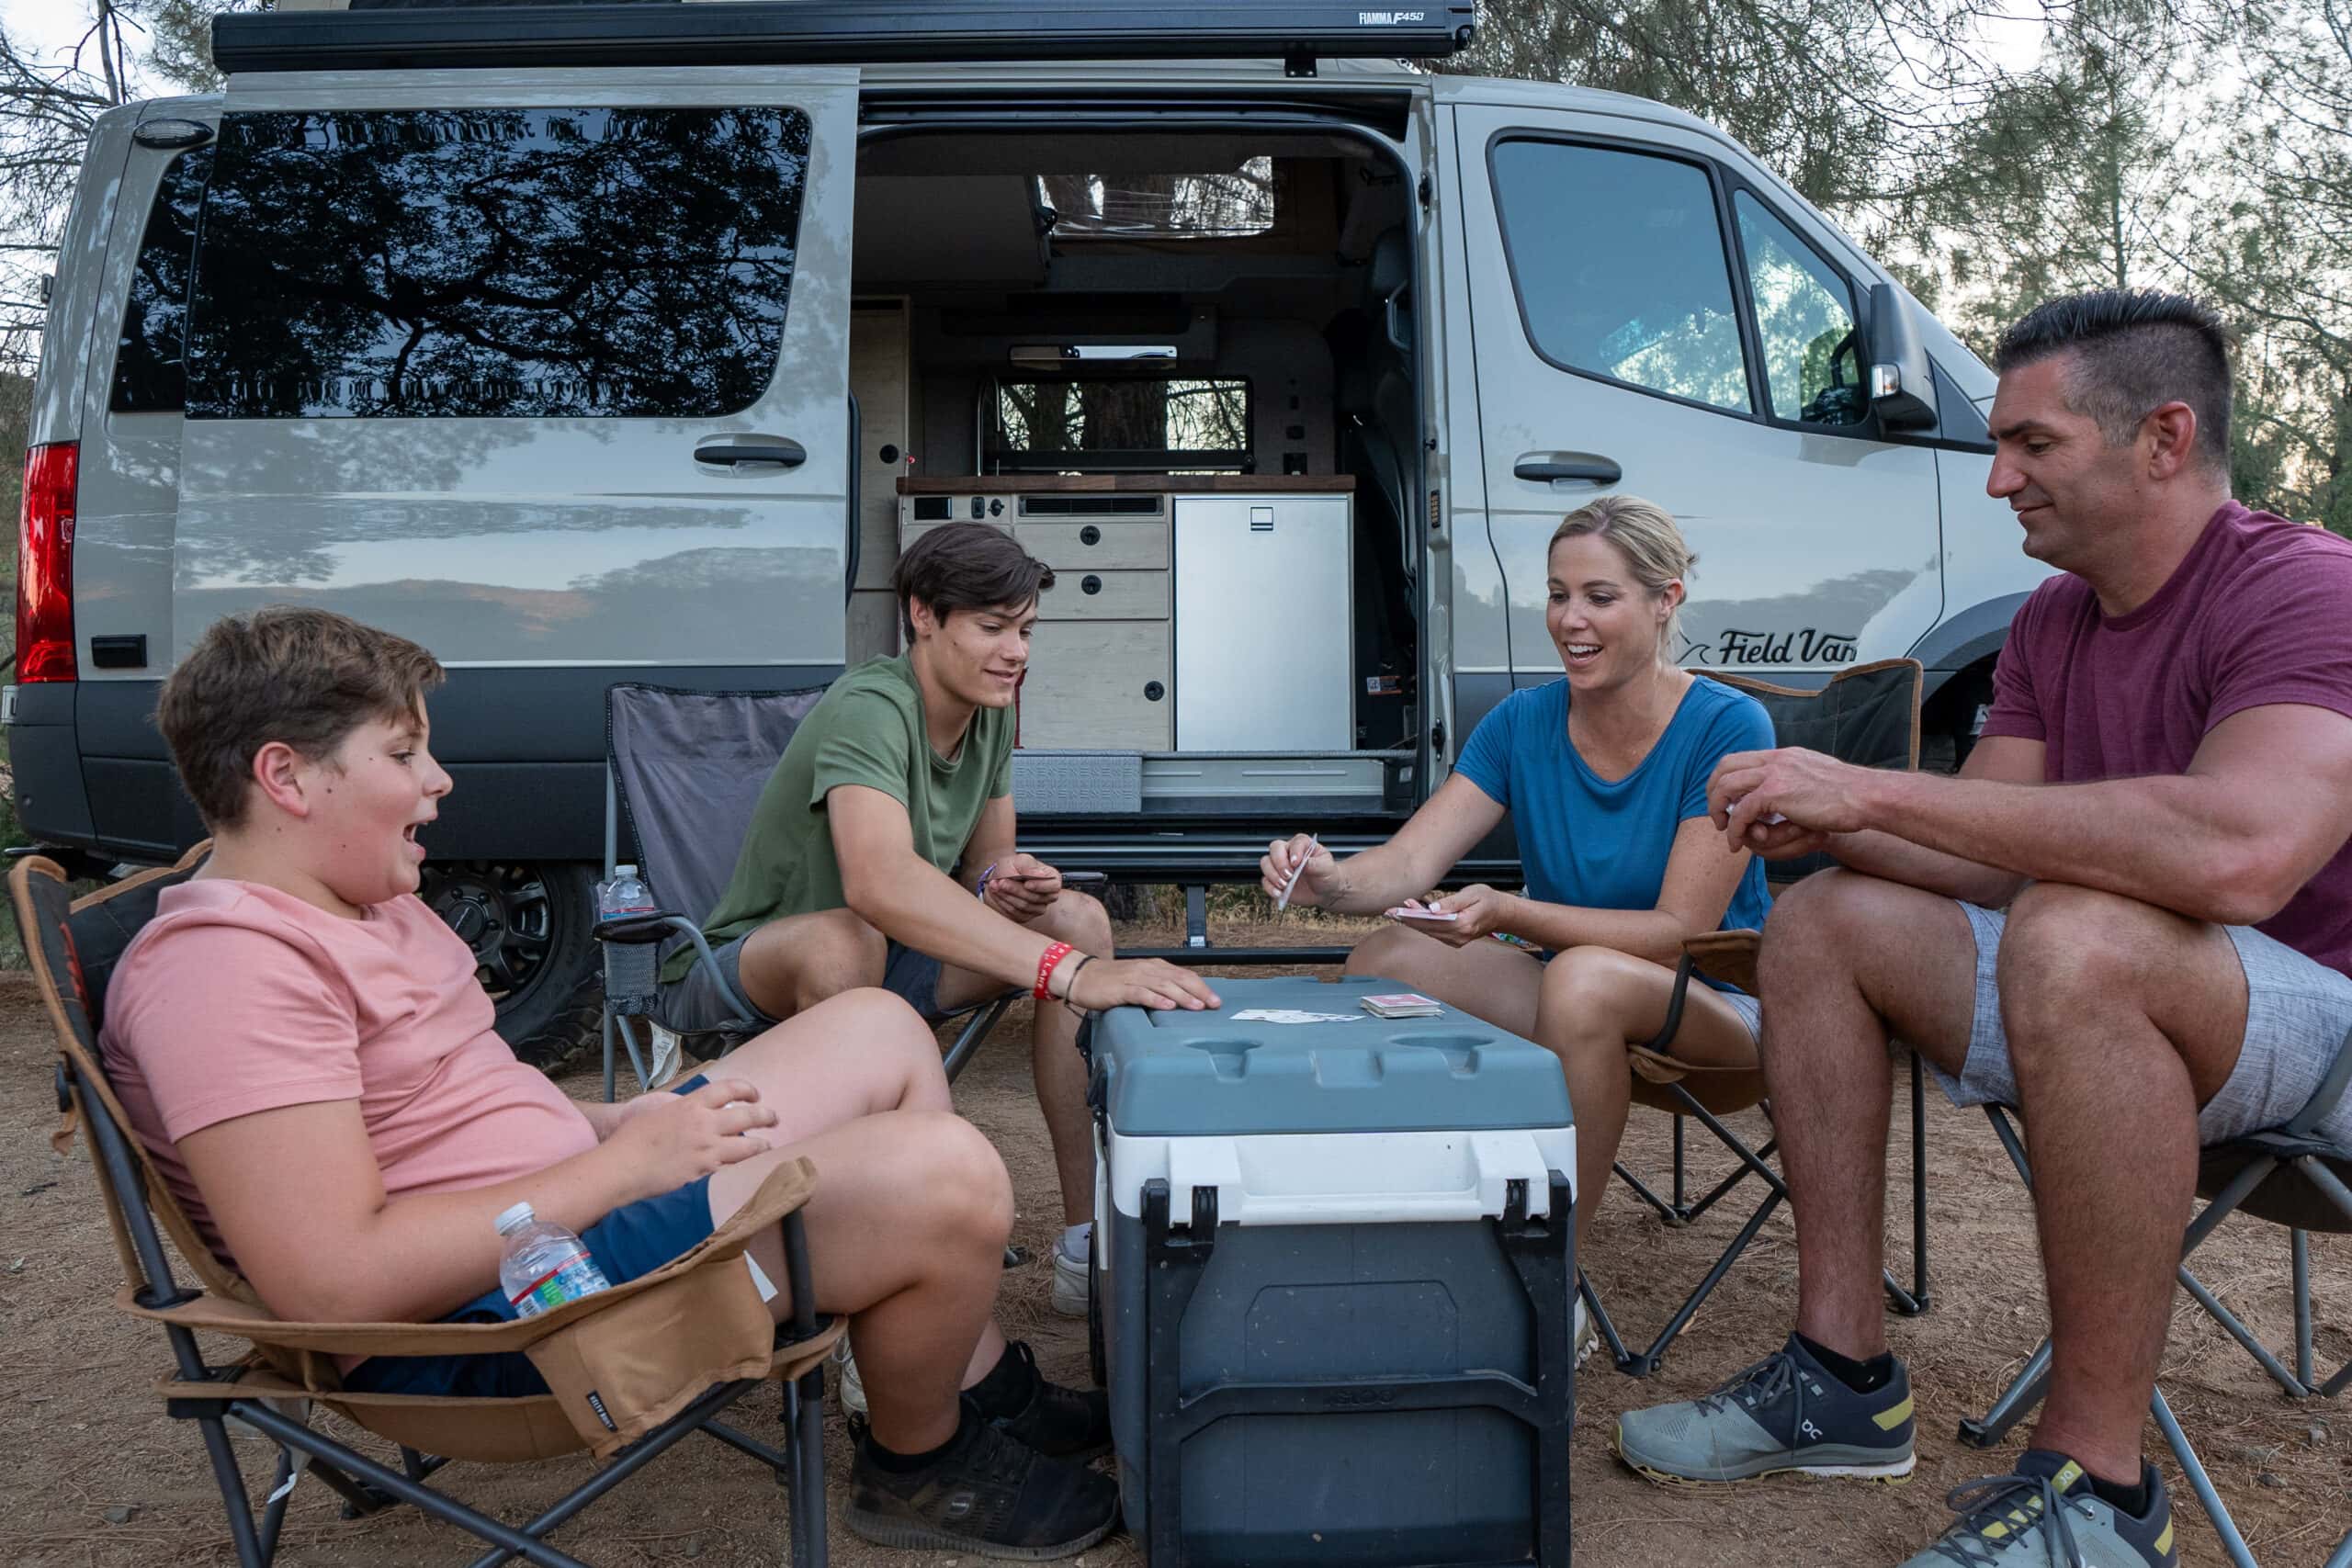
550 379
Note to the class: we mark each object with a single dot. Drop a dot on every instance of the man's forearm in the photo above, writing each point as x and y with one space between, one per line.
1890 859
2171 841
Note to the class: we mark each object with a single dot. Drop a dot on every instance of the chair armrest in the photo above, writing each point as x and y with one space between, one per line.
784 1190
1728 957
637 929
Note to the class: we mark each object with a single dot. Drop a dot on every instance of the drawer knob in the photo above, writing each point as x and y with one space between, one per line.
1089 534
1153 691
1089 583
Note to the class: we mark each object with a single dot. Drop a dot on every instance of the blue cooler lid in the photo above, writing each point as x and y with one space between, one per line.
1180 1074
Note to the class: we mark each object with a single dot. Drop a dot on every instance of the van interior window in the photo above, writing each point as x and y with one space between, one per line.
1137 205
1149 425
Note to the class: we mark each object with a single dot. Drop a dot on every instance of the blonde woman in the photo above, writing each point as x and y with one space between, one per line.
1603 774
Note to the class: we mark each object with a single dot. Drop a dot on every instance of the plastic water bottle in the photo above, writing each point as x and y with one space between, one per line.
631 968
544 1265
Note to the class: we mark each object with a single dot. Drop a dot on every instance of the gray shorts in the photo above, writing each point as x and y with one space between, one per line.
2297 1012
692 1004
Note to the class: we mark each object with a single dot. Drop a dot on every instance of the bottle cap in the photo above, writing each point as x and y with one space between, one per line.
514 1219
621 871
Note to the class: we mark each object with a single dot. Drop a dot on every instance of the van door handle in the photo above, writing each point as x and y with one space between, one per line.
730 450
1543 467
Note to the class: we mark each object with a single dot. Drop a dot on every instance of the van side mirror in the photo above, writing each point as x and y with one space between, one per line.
1903 389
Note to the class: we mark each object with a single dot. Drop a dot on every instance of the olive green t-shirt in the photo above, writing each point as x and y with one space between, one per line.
868 729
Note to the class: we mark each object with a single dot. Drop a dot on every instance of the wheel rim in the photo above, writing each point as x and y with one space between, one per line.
503 912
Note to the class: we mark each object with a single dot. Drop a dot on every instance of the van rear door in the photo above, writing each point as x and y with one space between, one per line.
1655 315
546 372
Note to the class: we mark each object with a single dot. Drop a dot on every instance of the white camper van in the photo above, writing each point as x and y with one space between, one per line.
584 344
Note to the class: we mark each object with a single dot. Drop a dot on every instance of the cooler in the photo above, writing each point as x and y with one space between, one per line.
1334 1269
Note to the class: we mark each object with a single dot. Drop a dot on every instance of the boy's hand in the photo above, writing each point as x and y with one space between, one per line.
1139 982
1022 887
669 1140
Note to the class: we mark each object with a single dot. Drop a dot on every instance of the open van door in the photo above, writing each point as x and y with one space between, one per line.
543 378
1654 316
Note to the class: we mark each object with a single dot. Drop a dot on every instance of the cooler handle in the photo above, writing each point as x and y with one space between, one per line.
1497 1160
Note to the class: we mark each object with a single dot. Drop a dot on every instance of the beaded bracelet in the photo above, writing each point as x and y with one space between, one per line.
1052 956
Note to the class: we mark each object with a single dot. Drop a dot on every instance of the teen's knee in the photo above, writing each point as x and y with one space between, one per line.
957 1179
829 954
1080 920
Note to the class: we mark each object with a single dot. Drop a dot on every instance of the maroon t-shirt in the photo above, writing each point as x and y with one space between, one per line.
2259 613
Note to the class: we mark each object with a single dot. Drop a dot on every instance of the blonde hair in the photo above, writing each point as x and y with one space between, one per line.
1646 536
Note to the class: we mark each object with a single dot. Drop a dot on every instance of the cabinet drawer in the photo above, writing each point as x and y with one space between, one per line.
1082 595
1096 547
1089 686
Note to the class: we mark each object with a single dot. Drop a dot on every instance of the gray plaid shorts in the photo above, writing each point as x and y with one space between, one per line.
2297 1010
693 1003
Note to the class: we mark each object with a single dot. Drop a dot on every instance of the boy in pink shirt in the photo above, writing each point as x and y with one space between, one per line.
301 1044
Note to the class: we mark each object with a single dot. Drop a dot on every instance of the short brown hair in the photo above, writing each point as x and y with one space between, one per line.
966 566
306 677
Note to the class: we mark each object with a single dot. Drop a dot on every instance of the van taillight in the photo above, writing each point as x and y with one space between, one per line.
45 565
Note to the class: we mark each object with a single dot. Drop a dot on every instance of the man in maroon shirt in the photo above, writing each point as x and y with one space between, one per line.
2130 916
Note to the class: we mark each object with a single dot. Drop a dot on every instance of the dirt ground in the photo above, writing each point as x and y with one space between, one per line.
96 1475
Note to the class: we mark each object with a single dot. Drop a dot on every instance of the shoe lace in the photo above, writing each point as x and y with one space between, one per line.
1769 1379
2015 1504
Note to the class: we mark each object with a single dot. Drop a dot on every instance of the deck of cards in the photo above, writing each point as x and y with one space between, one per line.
1401 1004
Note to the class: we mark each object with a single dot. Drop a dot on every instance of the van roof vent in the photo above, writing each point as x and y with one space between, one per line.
395 34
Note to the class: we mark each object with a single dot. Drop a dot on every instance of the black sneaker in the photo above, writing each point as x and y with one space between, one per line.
1065 1422
986 1493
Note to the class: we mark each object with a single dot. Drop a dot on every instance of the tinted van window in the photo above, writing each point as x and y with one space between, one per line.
150 372
1620 265
505 262
1804 314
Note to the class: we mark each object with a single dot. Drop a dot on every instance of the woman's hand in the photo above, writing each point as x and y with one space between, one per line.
668 1140
1285 855
1479 911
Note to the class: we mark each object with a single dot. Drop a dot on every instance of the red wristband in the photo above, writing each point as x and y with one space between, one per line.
1052 957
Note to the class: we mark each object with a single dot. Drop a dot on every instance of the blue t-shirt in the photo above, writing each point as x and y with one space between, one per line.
1597 845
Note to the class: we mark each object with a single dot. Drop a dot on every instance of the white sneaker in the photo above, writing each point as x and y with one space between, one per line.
1586 1333
1073 1287
853 1387
666 1055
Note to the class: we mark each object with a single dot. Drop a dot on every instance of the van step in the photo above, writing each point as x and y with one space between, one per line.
813 32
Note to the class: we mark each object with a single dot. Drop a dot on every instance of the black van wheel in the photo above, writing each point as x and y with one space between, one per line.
528 924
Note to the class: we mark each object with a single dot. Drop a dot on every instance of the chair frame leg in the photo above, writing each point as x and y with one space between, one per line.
233 1502
2232 1544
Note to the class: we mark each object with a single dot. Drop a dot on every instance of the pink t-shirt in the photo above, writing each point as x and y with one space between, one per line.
236 998
2259 613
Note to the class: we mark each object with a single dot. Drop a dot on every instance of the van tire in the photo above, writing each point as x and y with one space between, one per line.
1947 721
530 925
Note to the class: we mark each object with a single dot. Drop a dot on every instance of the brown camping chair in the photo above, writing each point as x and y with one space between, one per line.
1868 715
74 946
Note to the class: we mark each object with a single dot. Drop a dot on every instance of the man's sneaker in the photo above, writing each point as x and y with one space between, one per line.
987 1494
1787 1412
2044 1515
1065 1422
1073 1289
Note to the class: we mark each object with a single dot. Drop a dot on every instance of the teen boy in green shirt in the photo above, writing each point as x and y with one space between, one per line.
889 810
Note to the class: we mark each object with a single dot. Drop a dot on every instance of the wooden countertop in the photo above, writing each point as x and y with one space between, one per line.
1097 484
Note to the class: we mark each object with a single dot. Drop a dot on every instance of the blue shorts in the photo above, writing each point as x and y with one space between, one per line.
634 1239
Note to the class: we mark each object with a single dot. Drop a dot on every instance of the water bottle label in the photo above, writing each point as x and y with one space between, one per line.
579 1277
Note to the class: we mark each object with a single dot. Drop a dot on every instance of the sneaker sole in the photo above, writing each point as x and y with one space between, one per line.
884 1530
1070 1295
1887 1475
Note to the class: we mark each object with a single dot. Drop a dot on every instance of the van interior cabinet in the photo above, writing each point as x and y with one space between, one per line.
1189 611
1264 648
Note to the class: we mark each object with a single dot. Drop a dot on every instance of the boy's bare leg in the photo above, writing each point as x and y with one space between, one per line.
791 965
906 1228
1080 921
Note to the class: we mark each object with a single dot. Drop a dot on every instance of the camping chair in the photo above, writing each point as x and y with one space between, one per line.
2283 1175
683 771
1867 714
72 946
